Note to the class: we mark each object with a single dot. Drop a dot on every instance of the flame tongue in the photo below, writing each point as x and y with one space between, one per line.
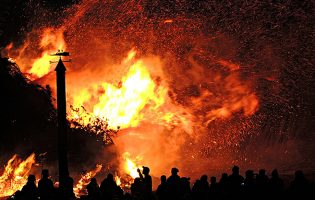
79 189
15 174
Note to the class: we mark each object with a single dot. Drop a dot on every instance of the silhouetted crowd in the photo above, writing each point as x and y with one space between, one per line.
234 186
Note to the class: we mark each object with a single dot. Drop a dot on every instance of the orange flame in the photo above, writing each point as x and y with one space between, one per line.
34 65
130 166
79 189
15 174
117 180
50 42
123 105
129 171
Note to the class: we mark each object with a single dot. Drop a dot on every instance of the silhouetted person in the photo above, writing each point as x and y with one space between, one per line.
109 188
161 191
201 188
46 186
146 181
29 190
236 181
299 187
185 191
224 186
213 189
173 184
69 194
262 181
93 190
137 189
276 185
249 185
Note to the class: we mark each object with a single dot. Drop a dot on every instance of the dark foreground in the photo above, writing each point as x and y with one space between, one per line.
233 186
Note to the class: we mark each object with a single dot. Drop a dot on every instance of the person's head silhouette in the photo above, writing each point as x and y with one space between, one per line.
174 171
204 178
31 178
213 179
45 173
262 172
236 170
163 179
299 175
110 177
93 180
275 173
146 170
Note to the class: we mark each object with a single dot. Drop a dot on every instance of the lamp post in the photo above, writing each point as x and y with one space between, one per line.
62 122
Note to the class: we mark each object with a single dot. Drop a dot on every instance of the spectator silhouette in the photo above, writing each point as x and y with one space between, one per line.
173 184
201 188
249 185
177 188
161 191
137 189
45 186
93 190
29 190
299 187
69 194
213 189
236 181
224 186
262 181
185 191
109 188
276 185
146 182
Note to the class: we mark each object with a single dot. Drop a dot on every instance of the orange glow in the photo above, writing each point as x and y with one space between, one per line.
51 41
160 95
128 170
85 179
15 174
124 105
130 166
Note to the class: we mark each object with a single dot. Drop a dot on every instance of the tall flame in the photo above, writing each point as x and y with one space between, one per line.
123 104
15 174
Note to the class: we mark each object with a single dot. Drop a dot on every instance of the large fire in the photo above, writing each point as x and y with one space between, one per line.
15 174
151 96
123 104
